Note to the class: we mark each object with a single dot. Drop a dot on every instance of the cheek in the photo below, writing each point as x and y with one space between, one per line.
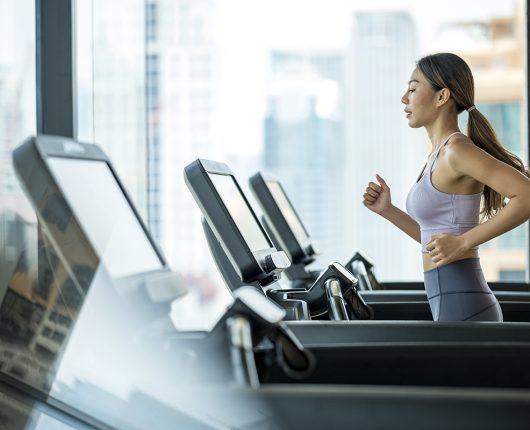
420 100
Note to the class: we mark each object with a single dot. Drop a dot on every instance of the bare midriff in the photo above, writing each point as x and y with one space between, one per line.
428 264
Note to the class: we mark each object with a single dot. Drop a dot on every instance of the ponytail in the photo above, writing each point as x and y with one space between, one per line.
481 132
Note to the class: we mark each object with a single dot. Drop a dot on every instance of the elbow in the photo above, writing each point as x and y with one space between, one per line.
524 203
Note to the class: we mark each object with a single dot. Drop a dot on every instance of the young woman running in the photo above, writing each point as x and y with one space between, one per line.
444 205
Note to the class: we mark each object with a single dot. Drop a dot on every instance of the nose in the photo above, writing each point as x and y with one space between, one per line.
404 99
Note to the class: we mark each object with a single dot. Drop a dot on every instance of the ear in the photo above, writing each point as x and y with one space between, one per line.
443 96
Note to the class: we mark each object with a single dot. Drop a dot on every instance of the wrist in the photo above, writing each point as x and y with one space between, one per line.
465 242
387 212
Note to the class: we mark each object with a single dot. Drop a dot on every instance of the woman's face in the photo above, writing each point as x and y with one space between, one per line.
419 101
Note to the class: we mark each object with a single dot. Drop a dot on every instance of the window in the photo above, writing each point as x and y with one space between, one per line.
18 229
318 107
512 275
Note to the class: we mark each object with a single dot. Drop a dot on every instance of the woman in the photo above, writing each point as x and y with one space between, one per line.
445 202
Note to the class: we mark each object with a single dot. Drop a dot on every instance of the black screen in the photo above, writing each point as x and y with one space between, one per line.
105 216
288 212
240 212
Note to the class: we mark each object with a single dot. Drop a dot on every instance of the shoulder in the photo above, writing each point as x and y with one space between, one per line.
463 156
460 149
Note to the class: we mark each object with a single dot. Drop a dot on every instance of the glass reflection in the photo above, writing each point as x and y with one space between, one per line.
18 415
40 304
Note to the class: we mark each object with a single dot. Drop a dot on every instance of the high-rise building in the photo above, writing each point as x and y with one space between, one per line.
181 92
495 51
152 102
380 59
304 135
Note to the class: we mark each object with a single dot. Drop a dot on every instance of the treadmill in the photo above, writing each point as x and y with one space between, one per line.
117 363
288 233
239 245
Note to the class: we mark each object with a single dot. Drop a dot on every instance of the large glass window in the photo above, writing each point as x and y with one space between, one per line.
18 231
316 102
307 90
111 85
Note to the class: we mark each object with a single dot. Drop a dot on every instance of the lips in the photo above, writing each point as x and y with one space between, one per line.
408 113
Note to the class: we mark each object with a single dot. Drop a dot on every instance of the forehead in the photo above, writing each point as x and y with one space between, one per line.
417 76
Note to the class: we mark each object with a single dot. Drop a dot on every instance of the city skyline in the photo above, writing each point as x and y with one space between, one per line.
209 91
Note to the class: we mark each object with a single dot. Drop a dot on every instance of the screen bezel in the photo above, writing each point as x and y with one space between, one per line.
248 263
58 147
257 224
301 224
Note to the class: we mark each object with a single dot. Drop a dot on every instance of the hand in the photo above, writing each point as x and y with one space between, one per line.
445 248
377 197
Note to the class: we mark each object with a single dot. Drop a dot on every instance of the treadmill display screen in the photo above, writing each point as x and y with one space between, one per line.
240 212
287 211
105 216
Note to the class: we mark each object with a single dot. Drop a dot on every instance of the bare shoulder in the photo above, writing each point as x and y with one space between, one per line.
461 149
459 141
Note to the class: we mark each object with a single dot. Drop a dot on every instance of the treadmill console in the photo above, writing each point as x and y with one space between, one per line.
90 220
282 219
234 224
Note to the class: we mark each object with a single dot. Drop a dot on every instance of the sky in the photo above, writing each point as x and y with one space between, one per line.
326 23
246 33
249 30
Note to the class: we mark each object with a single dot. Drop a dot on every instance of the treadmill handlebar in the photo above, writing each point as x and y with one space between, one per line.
336 304
241 351
295 360
329 297
251 318
348 286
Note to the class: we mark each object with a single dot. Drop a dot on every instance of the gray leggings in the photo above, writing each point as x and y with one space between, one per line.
458 291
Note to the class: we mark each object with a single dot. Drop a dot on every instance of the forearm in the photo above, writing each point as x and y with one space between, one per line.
404 222
516 212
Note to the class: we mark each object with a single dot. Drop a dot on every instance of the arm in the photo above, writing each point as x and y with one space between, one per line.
500 177
468 159
403 221
377 198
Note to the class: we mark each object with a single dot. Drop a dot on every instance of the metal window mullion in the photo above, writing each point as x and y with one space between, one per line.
55 67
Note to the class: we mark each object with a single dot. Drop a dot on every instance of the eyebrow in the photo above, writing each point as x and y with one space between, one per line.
413 80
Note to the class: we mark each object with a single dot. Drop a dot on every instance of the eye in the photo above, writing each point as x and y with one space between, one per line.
411 90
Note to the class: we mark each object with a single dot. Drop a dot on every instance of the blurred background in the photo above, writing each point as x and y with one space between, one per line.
309 91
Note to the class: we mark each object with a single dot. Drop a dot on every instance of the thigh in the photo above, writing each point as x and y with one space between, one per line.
464 294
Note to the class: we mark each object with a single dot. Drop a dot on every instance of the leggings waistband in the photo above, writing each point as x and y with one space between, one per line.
465 263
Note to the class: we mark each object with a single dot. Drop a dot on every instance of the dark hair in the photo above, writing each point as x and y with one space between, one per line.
446 70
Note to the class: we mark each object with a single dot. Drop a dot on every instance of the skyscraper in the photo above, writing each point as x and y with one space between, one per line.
180 101
152 102
304 132
495 51
380 59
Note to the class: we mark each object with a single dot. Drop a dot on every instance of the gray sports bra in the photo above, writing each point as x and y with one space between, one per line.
437 212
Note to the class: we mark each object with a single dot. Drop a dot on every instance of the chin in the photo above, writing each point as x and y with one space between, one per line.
413 124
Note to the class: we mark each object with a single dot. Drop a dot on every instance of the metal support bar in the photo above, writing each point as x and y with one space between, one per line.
55 67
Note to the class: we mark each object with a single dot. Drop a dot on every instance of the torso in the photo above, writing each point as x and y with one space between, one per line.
444 178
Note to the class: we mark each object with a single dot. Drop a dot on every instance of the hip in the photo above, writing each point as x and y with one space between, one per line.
458 291
428 264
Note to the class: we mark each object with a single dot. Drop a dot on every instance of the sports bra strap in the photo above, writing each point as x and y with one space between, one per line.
435 155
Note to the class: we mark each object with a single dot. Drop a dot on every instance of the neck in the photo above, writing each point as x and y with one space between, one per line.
440 129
